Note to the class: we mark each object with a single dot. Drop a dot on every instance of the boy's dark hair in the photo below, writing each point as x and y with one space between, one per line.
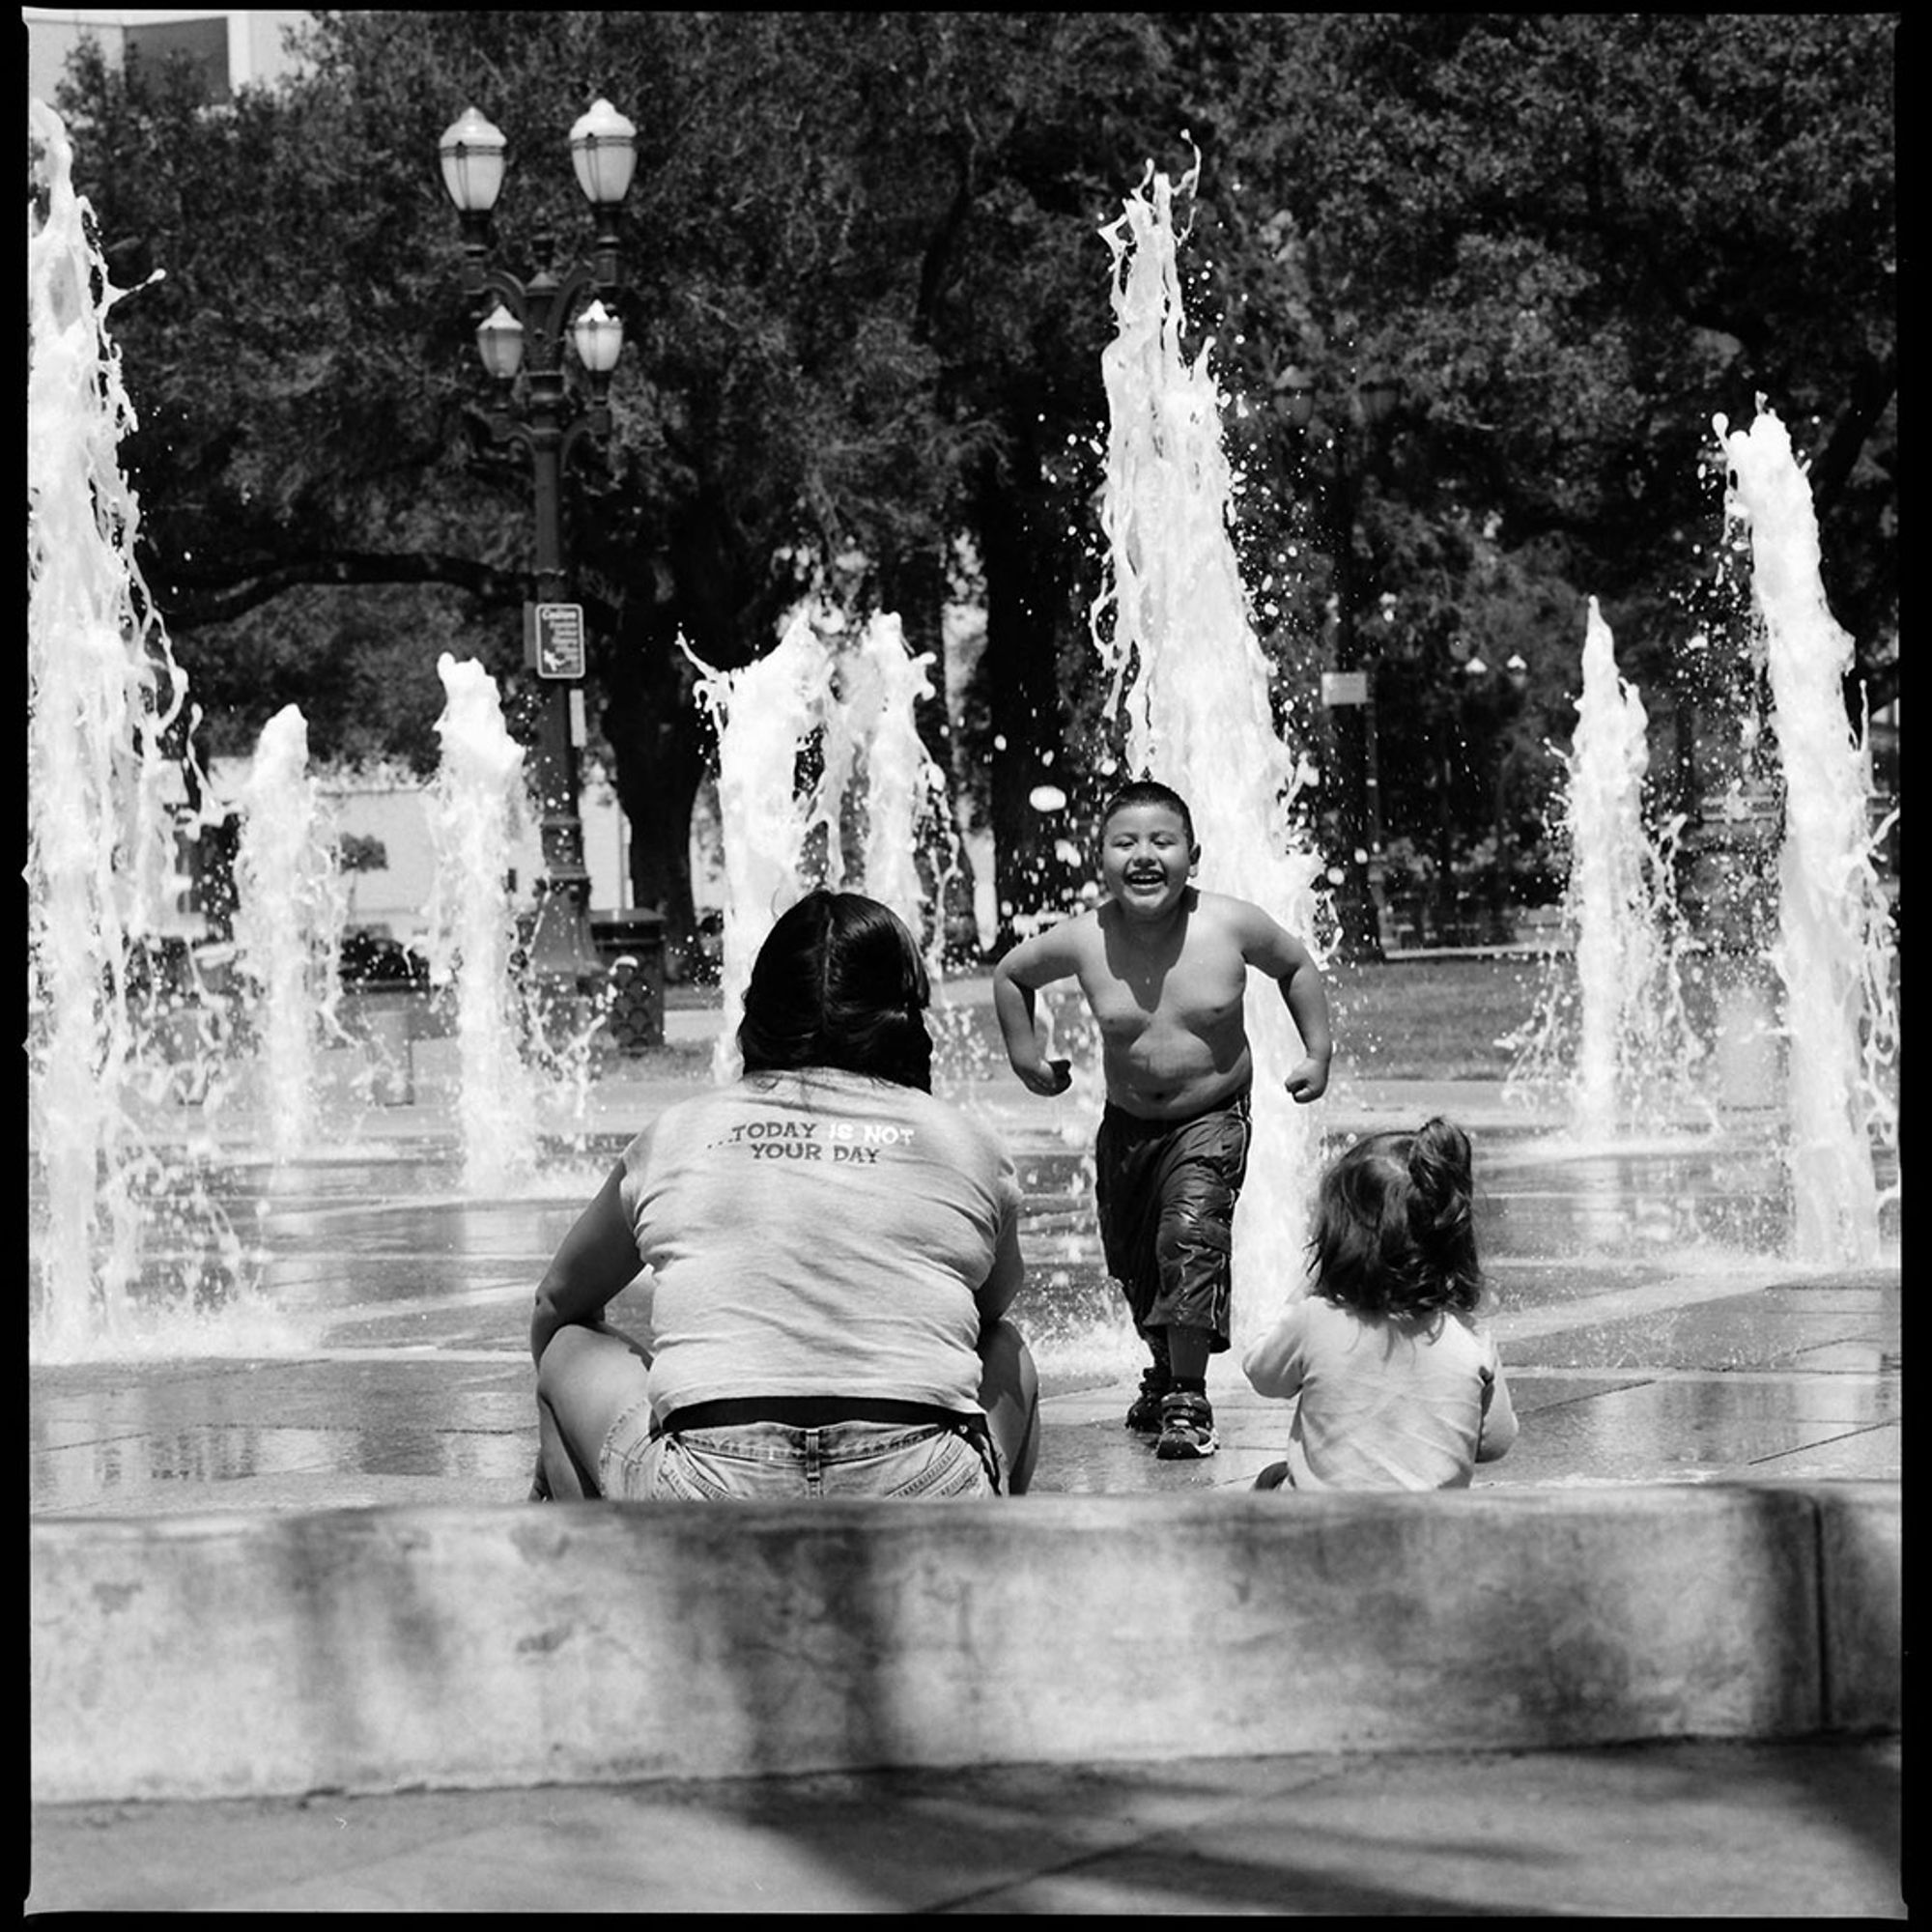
1148 791
839 983
1394 1232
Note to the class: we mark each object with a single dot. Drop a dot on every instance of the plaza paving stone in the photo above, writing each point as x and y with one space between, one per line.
1645 1340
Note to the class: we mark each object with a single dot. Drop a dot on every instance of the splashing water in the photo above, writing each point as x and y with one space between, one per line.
1191 683
80 728
879 803
103 690
877 790
1626 1053
289 915
764 714
1834 947
881 684
875 759
472 808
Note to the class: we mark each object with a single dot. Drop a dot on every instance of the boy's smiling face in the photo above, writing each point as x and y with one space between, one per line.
1145 859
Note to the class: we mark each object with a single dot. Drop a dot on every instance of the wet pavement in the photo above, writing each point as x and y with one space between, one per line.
1650 1332
1649 1328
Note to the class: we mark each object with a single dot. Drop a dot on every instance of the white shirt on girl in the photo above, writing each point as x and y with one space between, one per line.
1385 1403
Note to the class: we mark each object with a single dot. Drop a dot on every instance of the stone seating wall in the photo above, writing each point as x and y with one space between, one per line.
375 1650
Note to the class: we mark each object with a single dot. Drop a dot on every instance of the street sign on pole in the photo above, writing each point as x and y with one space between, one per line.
1345 687
553 639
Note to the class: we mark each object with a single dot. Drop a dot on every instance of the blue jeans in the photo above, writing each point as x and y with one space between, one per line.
753 1460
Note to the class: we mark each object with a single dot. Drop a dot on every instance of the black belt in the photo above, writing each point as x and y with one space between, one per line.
815 1411
826 1411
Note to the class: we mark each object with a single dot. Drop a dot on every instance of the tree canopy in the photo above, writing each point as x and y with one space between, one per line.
866 301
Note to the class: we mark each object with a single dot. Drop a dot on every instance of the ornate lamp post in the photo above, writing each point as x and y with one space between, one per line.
1348 692
520 343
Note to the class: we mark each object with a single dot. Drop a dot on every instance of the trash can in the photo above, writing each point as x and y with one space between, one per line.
631 944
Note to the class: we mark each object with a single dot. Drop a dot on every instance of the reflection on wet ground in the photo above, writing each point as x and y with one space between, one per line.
1650 1330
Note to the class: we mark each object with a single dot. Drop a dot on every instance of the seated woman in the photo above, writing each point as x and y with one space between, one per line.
834 1252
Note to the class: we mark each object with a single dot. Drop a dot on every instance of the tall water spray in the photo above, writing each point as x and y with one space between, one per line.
823 779
1626 1051
876 768
881 684
1834 945
473 804
289 913
764 714
872 730
103 690
1191 683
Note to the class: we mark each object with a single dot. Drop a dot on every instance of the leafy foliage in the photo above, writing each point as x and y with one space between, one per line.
865 309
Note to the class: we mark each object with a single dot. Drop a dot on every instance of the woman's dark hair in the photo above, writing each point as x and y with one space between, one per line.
839 983
1394 1232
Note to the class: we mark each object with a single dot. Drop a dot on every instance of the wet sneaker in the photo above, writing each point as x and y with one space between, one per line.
1144 1417
1186 1428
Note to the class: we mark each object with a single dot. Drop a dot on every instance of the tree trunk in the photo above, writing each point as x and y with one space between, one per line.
1024 601
913 586
659 764
702 588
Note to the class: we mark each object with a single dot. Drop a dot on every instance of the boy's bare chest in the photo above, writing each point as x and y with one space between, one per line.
1185 988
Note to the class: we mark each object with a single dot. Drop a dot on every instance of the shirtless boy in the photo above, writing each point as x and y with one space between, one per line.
1164 970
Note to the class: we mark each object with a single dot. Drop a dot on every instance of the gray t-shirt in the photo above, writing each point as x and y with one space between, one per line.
820 1232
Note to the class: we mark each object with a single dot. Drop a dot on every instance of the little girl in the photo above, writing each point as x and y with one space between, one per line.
1400 1388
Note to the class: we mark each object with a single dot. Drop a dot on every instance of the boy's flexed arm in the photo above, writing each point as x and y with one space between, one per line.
1278 952
1033 963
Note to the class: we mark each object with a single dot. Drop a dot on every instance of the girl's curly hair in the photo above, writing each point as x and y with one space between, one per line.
1394 1232
839 983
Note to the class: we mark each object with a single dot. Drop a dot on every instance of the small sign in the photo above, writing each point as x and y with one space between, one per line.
1345 687
554 635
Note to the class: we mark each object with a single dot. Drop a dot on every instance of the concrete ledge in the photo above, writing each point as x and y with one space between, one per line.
1861 1575
374 1650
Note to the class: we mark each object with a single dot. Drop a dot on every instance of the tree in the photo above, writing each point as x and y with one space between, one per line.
285 432
852 220
304 372
1050 118
1574 238
868 306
